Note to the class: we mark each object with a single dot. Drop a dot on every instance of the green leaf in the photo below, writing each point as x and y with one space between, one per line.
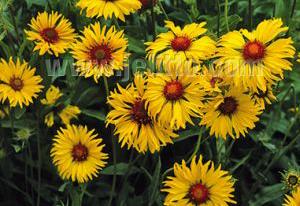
135 45
121 169
97 114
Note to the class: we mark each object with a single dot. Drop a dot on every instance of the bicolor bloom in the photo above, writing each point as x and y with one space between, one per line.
199 184
18 83
133 125
51 33
78 153
257 58
100 51
109 9
174 97
179 45
230 114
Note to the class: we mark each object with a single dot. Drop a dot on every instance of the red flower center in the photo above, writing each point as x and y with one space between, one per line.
199 193
229 106
173 90
215 80
50 35
79 153
16 83
148 3
254 51
181 43
139 113
101 54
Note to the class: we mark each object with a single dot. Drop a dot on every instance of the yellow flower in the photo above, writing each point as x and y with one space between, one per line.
291 179
52 95
230 114
256 58
68 113
49 119
175 96
199 184
100 51
51 33
130 117
294 199
179 45
263 98
4 111
108 9
78 153
298 60
18 83
213 80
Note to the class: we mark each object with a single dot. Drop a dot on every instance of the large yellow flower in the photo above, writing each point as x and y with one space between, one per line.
133 124
230 114
18 83
256 58
52 95
201 184
51 33
78 153
100 51
179 44
108 9
294 199
174 97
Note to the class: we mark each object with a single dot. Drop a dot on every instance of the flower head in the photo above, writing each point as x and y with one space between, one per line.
51 33
294 199
100 51
52 95
200 184
78 153
108 9
179 45
18 83
257 58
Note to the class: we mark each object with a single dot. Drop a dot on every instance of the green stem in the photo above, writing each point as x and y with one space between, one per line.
12 122
116 23
114 150
219 18
163 10
39 159
250 13
196 150
226 15
293 8
153 21
14 24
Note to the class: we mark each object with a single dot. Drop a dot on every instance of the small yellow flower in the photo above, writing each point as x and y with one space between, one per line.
179 45
174 97
258 58
263 98
230 114
68 113
49 119
52 95
51 33
18 83
78 153
100 51
200 184
108 9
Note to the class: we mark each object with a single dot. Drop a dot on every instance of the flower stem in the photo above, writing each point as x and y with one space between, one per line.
114 150
163 10
250 13
226 15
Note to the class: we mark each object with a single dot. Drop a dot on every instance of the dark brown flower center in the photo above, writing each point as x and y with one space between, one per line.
80 153
254 51
215 80
101 54
139 113
16 83
181 43
173 90
50 35
229 106
199 193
